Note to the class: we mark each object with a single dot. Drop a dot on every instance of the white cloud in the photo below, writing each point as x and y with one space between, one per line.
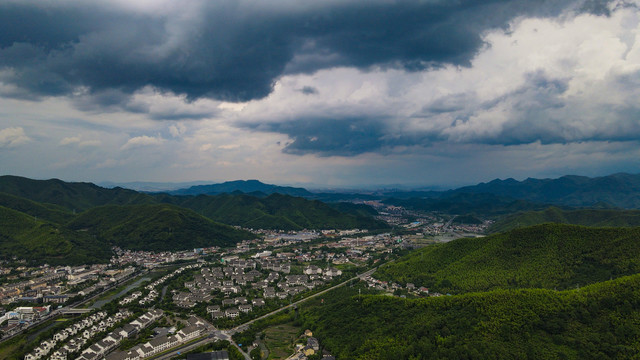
12 137
107 164
570 79
177 130
143 140
77 140
70 140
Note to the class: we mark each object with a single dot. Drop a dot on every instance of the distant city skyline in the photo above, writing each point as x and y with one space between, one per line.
333 94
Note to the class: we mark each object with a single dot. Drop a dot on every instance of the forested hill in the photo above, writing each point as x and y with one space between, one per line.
70 195
42 211
595 322
27 237
550 256
484 205
89 236
272 212
156 227
584 217
275 211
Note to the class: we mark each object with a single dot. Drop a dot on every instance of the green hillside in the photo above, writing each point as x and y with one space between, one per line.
543 256
355 209
584 217
157 227
72 196
483 205
595 322
25 237
50 212
273 212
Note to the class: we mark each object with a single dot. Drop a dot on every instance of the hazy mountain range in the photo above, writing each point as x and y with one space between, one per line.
63 222
618 190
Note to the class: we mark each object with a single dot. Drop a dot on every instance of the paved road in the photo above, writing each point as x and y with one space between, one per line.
448 224
244 326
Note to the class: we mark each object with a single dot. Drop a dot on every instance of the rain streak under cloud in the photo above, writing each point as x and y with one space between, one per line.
332 93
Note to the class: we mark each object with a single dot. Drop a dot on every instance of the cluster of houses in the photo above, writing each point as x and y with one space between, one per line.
229 280
73 337
131 298
45 284
25 314
113 339
312 347
150 297
194 329
150 259
36 287
233 307
294 284
77 336
392 286
153 287
240 273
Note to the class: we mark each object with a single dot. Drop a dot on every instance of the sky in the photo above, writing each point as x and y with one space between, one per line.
323 94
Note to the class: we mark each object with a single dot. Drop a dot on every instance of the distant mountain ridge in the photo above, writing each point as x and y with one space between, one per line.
616 190
621 190
244 186
275 211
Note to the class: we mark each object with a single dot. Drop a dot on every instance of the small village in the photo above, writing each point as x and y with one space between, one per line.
226 287
208 288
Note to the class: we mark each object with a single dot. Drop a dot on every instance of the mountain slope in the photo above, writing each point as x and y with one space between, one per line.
50 212
583 217
543 256
24 237
595 322
156 227
355 209
273 212
467 203
72 196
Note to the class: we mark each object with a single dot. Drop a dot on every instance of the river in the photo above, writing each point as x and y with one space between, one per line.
99 303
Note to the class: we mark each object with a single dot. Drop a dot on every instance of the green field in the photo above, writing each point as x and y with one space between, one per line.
279 340
12 346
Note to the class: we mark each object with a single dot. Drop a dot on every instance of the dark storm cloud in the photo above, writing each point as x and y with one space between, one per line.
351 136
114 100
538 111
233 50
347 136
